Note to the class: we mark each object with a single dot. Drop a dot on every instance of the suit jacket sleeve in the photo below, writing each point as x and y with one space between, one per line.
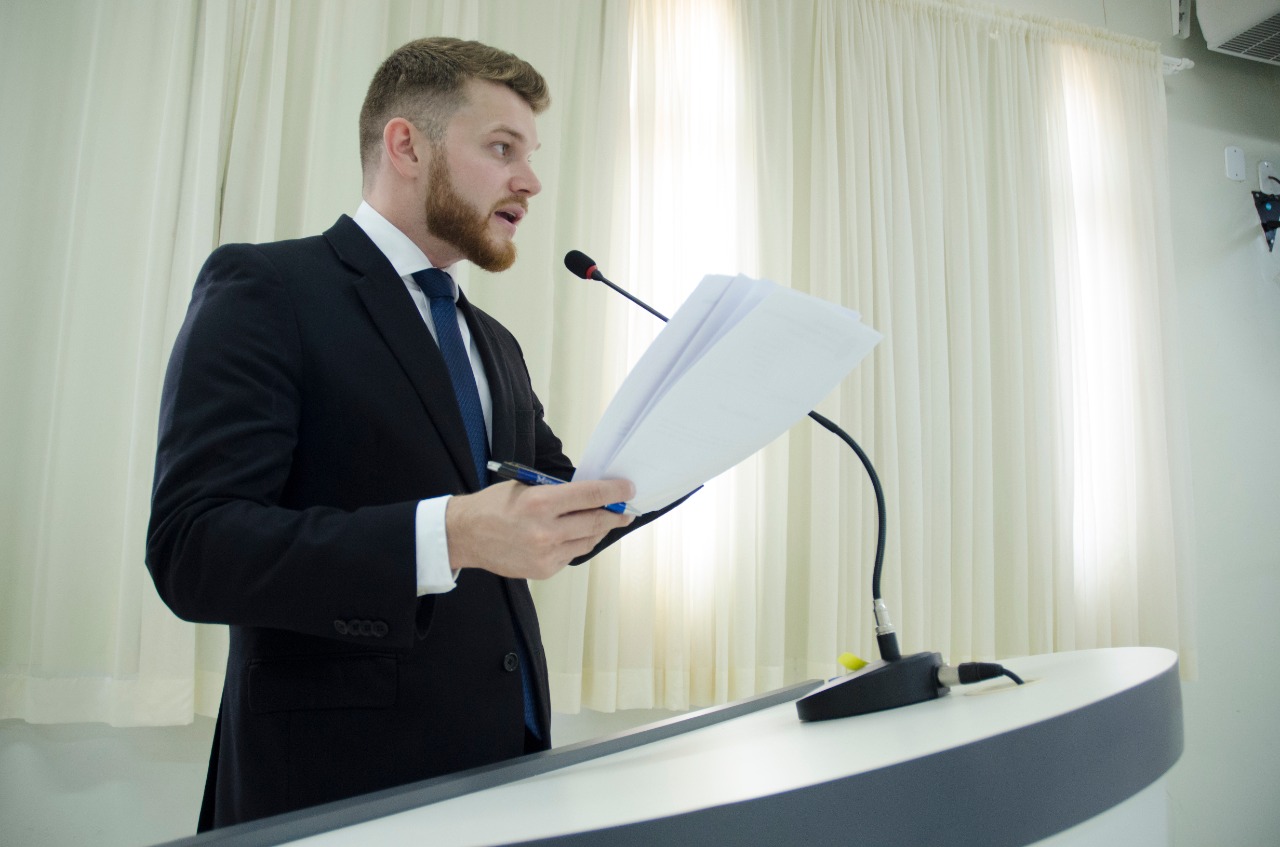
221 547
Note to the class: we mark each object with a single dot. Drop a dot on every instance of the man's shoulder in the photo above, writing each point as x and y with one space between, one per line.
289 249
343 230
307 256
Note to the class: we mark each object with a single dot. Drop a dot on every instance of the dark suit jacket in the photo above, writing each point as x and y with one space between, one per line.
305 412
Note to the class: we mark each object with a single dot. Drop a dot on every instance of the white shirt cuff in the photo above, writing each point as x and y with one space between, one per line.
435 576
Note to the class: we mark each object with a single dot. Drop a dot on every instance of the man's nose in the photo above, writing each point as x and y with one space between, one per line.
525 182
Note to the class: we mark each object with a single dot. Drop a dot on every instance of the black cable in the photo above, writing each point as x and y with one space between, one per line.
583 266
875 484
967 673
887 639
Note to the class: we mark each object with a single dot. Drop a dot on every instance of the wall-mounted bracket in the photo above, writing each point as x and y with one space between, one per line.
1269 215
1181 10
1268 178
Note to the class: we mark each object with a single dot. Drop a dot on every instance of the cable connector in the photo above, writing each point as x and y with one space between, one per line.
886 635
967 673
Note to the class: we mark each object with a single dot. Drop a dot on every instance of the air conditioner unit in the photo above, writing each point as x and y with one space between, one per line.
1248 28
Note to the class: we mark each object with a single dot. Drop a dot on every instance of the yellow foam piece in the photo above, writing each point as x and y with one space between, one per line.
851 662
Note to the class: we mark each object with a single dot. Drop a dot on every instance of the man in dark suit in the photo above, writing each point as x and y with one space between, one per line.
320 483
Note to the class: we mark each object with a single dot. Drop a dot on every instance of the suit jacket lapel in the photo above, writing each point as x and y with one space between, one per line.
502 438
398 321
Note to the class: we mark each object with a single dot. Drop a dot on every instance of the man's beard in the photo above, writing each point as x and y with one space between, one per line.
456 222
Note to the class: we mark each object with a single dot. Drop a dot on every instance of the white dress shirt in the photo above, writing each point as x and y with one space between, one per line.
435 575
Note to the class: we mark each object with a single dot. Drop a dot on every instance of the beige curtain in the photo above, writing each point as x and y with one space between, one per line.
95 100
989 190
986 189
688 611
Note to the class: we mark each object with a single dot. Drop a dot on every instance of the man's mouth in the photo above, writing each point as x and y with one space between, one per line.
511 214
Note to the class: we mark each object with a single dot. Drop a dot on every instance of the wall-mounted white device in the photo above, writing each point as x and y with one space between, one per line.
1235 164
1247 28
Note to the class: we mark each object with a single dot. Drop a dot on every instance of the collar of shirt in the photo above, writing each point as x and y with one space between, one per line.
405 256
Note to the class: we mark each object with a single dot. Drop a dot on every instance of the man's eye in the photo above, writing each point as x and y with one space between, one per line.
502 148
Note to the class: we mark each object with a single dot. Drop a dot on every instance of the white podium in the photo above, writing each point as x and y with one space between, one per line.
1077 755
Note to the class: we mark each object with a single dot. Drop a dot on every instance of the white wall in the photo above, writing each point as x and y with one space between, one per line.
1226 786
78 784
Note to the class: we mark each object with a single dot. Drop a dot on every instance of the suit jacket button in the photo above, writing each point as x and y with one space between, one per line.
379 629
510 662
340 627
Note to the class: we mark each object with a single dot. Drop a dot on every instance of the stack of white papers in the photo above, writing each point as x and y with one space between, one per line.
739 363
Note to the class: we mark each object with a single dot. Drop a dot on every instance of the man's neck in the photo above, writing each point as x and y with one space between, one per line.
403 252
408 218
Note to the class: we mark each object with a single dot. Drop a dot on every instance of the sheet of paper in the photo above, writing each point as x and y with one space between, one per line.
738 364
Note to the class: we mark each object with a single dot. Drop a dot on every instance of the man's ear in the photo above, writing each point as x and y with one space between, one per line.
404 147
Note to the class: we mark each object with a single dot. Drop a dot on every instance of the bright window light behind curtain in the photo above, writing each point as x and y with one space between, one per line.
679 621
988 190
1113 354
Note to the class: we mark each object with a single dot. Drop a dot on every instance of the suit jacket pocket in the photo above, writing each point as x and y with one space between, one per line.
323 682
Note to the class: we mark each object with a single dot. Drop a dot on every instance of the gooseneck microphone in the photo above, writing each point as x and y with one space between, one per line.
580 264
899 680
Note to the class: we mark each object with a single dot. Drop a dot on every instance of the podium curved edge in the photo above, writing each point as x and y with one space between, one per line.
1010 790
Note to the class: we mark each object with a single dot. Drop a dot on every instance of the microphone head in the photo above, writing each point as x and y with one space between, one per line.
580 264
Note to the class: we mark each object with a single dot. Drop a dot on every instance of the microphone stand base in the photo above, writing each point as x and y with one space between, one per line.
875 688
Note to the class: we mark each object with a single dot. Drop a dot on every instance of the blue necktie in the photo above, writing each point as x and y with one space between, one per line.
438 287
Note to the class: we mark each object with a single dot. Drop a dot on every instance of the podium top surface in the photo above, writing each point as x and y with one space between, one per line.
772 754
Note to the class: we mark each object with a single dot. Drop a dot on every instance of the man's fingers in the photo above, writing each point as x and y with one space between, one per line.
532 531
591 524
585 494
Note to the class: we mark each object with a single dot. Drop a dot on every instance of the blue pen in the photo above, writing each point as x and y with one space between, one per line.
530 476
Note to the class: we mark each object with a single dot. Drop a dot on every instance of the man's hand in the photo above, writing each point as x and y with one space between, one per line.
532 531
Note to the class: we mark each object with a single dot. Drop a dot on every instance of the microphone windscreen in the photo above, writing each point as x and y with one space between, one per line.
579 263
